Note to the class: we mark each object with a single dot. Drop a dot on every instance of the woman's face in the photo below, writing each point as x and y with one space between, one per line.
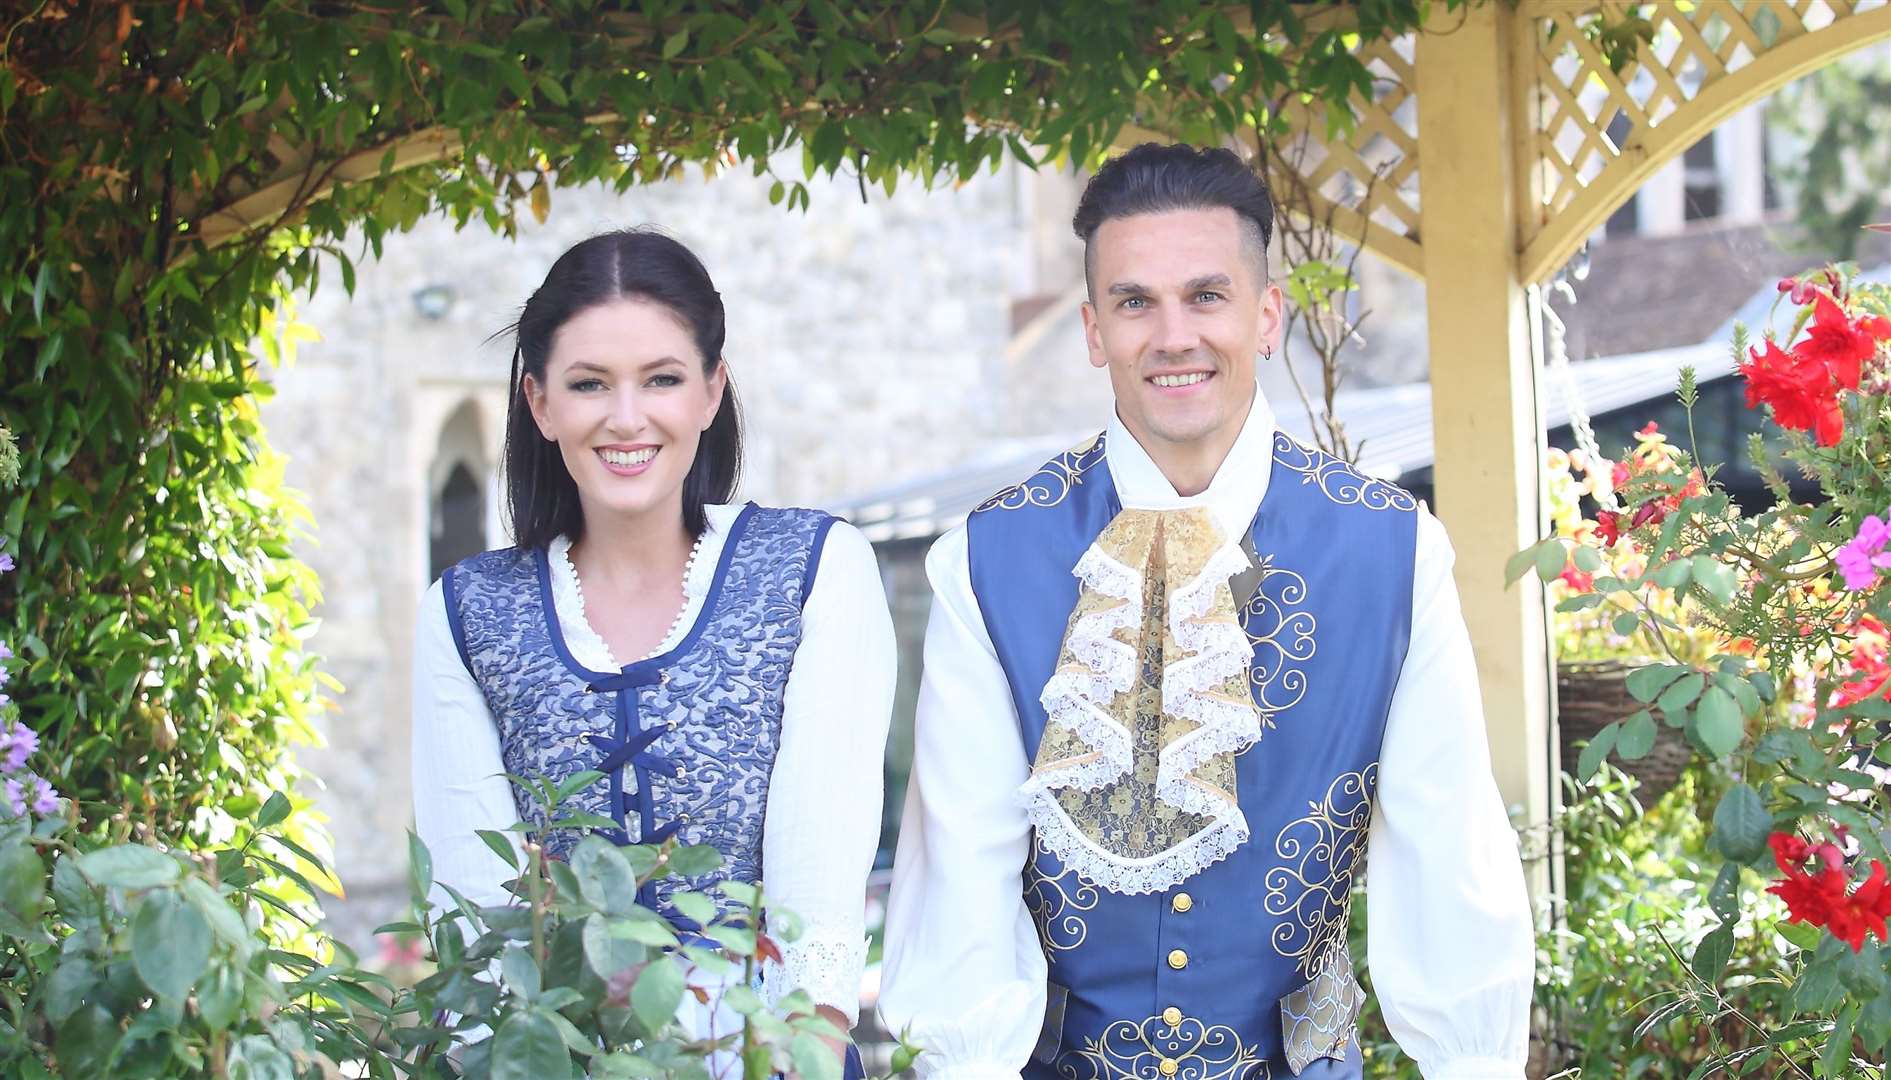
625 399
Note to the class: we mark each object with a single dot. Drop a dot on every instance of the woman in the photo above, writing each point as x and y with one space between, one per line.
728 667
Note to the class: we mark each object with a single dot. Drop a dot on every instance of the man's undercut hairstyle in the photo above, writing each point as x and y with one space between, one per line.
1157 179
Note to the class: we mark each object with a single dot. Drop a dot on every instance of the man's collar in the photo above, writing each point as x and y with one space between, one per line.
1233 496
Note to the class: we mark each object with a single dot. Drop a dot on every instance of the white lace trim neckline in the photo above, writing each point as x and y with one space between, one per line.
587 646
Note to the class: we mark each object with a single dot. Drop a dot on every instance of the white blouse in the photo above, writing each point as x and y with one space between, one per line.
822 822
1449 929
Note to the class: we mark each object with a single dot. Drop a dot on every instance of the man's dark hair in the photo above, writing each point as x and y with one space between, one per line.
1155 179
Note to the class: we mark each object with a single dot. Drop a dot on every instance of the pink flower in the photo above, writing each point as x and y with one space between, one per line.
45 799
1862 557
5 653
16 798
6 562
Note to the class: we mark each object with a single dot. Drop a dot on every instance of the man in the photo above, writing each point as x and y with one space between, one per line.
1190 679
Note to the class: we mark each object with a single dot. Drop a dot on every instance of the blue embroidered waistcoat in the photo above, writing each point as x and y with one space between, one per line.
686 739
1240 972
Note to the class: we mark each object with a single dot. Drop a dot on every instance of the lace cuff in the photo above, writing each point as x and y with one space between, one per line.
827 964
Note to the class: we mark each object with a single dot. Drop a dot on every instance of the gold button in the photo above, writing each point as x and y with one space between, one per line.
1181 902
1172 1016
1178 959
1167 1067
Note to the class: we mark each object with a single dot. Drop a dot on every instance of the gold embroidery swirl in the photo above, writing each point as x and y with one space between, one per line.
1282 637
1312 893
1339 481
1051 484
1055 904
1132 1050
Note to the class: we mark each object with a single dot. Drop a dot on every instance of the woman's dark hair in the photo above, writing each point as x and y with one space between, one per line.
639 264
1156 179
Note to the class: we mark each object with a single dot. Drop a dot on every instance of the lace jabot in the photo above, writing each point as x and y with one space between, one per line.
1134 782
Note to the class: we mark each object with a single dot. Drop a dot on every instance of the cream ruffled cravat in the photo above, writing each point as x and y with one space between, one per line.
1134 782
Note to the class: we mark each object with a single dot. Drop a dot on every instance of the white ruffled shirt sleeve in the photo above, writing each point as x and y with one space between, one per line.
1449 937
459 779
825 797
964 975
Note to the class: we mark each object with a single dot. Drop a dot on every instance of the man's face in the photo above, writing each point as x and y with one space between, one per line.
1178 313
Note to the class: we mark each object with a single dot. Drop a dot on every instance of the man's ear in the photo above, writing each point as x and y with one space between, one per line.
1093 336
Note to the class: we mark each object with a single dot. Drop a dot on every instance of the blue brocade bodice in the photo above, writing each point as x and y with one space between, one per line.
686 739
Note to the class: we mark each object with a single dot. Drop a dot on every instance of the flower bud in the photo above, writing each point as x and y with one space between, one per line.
1787 284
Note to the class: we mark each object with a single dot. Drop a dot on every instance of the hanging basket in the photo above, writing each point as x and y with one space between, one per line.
1592 694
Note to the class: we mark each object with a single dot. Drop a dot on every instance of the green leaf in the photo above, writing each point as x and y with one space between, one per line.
217 912
210 102
1597 750
130 866
676 43
739 940
1838 1046
257 1057
657 992
419 870
274 812
1636 737
695 860
813 1059
1674 575
1626 623
1551 557
1718 579
607 952
1588 559
1801 935
22 881
86 1041
694 906
501 846
1717 722
1682 692
1712 954
220 997
604 876
170 944
1519 565
1646 684
520 971
1763 682
529 1047
1741 824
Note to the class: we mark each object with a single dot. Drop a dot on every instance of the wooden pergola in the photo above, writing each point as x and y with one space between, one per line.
1512 104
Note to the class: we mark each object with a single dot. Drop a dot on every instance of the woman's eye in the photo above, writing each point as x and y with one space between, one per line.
666 380
585 386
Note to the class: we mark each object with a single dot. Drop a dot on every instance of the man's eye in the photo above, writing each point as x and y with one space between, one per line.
1135 303
1207 297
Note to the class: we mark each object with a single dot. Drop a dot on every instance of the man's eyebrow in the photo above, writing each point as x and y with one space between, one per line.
1128 288
1211 281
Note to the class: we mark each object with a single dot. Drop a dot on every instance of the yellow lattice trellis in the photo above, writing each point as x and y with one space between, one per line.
1368 182
1596 134
1586 136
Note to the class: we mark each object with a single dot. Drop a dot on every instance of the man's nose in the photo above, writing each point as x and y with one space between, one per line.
1175 332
